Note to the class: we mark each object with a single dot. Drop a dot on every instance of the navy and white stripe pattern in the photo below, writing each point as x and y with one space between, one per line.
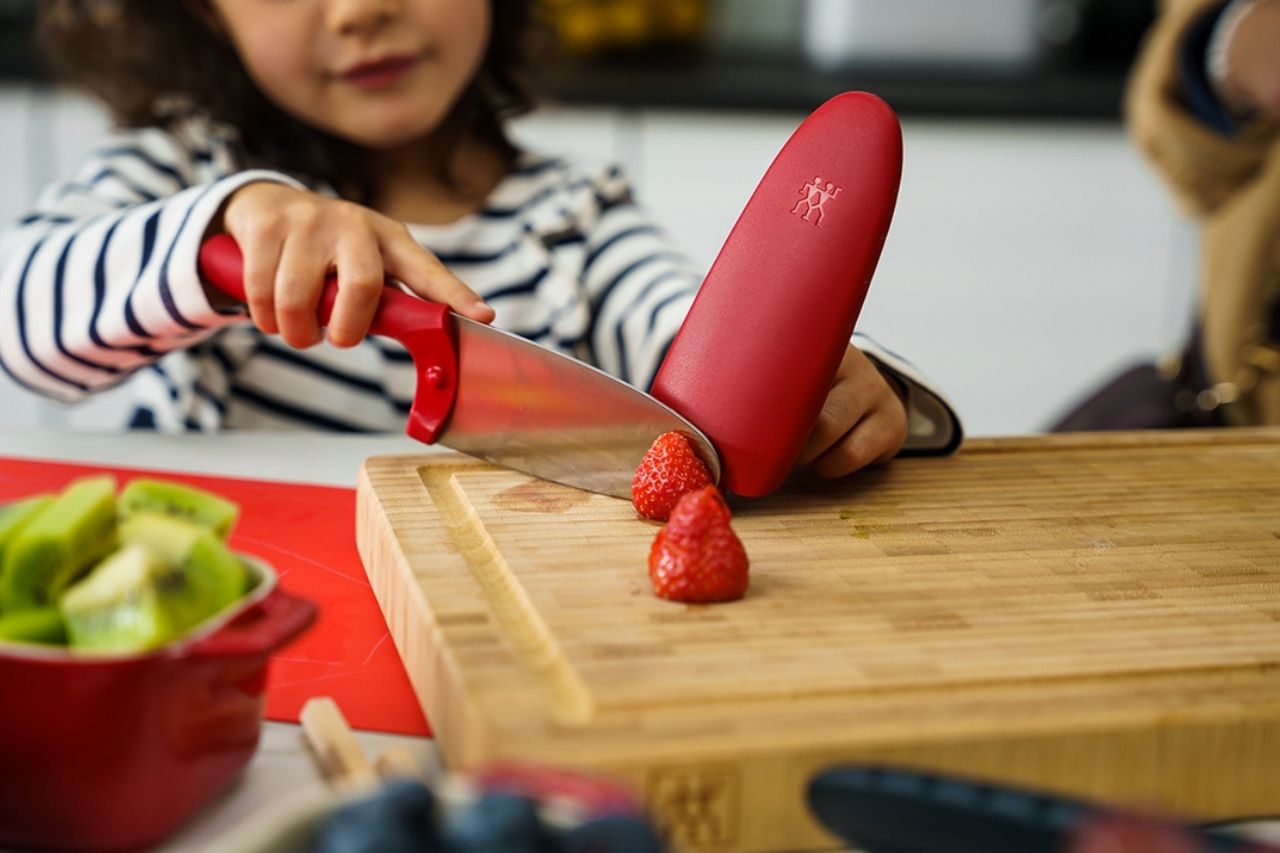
98 286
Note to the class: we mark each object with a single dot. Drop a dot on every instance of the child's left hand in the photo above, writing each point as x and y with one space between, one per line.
863 421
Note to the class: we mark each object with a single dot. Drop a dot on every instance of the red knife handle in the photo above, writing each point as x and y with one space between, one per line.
424 328
755 358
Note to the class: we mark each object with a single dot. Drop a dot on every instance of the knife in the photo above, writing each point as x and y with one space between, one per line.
500 397
893 810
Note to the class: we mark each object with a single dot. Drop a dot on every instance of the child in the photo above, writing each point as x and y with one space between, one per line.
309 131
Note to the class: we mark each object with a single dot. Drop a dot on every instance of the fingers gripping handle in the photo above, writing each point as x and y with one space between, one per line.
424 328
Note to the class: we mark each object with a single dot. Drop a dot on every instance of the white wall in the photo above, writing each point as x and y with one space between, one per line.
1025 262
16 178
42 136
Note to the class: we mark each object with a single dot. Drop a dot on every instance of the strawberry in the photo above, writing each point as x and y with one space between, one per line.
669 469
697 557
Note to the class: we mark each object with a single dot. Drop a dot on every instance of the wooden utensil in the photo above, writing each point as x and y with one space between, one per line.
341 758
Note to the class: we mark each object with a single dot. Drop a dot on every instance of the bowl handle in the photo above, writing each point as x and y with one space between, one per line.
260 629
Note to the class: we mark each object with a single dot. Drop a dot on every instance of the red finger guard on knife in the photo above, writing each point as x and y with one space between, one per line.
755 358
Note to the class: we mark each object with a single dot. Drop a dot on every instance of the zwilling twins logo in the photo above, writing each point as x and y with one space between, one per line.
814 198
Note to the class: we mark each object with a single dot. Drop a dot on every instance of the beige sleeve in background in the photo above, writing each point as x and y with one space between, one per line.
1202 167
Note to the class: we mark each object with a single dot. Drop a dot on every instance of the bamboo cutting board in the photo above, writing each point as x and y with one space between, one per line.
1096 615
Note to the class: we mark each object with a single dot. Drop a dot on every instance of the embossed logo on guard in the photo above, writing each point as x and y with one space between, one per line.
813 200
698 806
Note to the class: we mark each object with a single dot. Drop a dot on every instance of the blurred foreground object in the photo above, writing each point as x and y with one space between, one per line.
389 805
893 810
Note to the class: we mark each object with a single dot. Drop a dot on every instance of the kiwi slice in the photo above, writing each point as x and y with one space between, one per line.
14 517
204 576
43 626
58 543
180 501
122 606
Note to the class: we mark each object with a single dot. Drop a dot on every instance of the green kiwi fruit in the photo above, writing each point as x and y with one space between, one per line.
209 577
122 605
58 543
14 517
43 626
179 501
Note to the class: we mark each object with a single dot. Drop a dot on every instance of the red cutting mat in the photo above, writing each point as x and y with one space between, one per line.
308 534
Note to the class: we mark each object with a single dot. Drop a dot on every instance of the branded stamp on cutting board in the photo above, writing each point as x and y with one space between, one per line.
1096 615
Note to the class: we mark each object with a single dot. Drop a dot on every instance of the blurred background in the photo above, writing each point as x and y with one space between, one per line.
1032 253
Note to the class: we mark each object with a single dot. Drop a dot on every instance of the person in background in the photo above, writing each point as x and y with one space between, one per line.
1204 106
365 138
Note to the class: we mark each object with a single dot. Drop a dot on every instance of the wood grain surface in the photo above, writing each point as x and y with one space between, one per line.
1095 615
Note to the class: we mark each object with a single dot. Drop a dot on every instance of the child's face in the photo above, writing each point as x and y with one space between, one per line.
380 73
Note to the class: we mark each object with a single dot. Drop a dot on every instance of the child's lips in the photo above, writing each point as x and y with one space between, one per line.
382 72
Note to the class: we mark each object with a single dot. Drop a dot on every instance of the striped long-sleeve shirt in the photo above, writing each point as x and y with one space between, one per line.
99 286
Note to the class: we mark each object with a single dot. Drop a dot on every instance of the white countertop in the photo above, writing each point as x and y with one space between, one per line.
282 771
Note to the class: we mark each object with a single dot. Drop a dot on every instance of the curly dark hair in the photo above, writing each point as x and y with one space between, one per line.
157 62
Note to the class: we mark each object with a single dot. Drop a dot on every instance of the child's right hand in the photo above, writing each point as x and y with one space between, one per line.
292 239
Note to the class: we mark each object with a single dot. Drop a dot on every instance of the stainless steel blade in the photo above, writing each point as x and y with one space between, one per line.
525 407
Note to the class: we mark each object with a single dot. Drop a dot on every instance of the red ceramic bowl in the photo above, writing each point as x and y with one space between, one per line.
114 752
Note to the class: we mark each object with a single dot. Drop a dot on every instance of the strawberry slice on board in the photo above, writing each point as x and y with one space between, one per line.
697 558
669 470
